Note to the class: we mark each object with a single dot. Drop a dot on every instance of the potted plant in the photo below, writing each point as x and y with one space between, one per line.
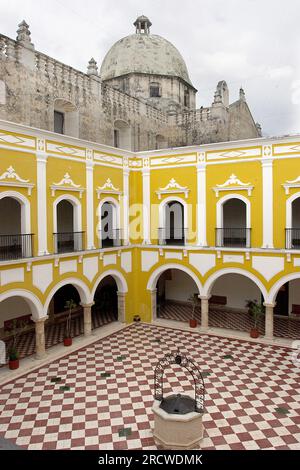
194 302
256 310
70 306
16 329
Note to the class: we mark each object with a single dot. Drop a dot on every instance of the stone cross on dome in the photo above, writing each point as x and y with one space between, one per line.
142 25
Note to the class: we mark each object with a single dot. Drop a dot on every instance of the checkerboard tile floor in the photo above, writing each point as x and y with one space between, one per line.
252 397
54 333
222 317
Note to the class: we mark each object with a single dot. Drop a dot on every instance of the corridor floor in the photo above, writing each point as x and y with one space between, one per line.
100 397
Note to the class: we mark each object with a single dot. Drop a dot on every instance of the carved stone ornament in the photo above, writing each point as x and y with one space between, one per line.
291 184
233 184
172 188
11 178
67 184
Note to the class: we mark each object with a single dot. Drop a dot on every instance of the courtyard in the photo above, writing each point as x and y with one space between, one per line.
100 396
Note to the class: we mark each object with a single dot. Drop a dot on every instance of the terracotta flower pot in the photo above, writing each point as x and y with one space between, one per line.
68 341
254 333
14 364
193 323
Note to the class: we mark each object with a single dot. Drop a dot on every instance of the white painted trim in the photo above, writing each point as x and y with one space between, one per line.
201 205
126 206
146 207
90 206
152 282
289 212
275 288
118 277
25 209
216 275
41 159
116 215
220 211
34 303
83 291
267 188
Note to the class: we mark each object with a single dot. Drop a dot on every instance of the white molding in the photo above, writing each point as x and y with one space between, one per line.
173 188
67 184
146 207
77 212
18 182
291 184
116 215
233 184
31 299
201 204
118 277
108 188
162 211
82 288
25 209
267 188
90 240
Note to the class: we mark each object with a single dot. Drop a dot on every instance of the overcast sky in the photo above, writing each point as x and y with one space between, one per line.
253 43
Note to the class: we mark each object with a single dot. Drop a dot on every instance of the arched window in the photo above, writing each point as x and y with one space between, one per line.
15 236
66 118
110 233
172 223
233 222
68 236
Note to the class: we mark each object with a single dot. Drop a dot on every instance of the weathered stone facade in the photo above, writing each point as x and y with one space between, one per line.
118 110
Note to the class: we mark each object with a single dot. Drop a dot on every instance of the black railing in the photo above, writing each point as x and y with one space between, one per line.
233 237
292 238
16 246
172 236
110 238
68 242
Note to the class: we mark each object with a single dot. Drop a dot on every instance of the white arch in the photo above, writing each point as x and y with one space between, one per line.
116 222
34 303
162 211
77 212
83 290
25 209
289 207
118 277
216 275
274 290
224 199
152 282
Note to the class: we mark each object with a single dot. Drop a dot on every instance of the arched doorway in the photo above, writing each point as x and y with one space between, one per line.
105 309
68 236
58 313
233 221
177 296
172 229
15 238
230 294
110 232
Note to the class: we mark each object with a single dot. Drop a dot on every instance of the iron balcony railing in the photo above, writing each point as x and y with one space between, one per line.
172 236
68 242
110 238
233 237
292 238
16 246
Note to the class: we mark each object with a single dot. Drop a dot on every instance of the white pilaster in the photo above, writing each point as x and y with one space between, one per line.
201 204
126 206
90 206
41 158
146 206
267 183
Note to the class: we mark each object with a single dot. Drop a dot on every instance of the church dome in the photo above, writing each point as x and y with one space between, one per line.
144 53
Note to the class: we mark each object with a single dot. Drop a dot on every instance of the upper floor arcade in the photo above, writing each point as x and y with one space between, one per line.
61 195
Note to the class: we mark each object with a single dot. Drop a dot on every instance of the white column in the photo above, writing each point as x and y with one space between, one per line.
41 159
121 307
267 182
40 344
204 310
87 318
146 206
269 320
126 206
90 242
201 204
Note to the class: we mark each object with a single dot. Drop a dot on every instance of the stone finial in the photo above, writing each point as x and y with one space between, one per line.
259 130
217 97
92 67
24 35
242 95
